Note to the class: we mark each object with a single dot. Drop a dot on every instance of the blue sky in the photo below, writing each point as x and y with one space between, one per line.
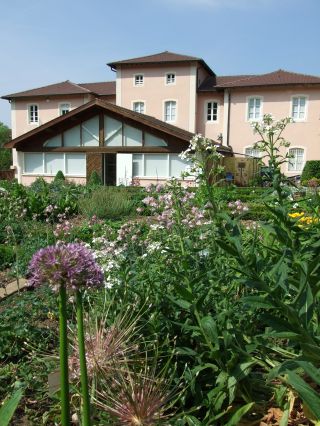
47 41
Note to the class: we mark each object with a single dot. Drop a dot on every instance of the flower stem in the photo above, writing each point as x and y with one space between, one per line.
64 379
83 365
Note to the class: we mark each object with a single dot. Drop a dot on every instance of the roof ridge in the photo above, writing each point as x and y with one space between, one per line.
98 82
296 73
77 85
154 54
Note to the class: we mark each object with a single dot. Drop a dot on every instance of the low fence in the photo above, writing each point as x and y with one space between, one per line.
6 174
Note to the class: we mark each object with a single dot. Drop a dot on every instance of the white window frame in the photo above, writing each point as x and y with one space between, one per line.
167 74
61 104
139 101
135 81
303 161
29 114
164 111
261 108
43 164
251 147
206 111
306 97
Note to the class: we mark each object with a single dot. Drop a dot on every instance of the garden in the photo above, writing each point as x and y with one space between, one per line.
163 305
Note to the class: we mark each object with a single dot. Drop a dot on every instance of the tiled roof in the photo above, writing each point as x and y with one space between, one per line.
276 78
68 88
158 57
63 88
162 57
104 88
211 83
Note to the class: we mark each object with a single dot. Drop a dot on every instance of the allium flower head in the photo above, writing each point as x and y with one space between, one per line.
72 265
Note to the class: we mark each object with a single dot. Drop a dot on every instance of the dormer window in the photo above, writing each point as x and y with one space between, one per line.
138 80
33 115
170 78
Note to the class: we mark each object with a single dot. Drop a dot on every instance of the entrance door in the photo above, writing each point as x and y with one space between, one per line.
110 169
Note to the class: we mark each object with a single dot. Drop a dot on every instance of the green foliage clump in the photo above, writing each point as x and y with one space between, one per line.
59 176
107 202
5 158
7 256
95 179
5 154
311 170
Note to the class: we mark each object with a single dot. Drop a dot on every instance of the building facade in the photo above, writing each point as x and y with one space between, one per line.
154 101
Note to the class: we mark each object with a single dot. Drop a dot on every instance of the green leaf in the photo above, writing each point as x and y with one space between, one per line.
9 407
257 302
210 328
235 419
180 302
309 369
192 421
309 396
186 351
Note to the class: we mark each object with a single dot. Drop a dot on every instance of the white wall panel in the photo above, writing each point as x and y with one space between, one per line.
124 169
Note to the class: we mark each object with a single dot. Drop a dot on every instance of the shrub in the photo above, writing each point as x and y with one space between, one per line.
107 202
5 159
59 176
95 179
6 256
311 170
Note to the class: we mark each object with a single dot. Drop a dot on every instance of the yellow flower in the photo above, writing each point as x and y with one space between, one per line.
50 315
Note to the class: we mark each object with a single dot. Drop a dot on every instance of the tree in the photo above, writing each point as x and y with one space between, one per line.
5 154
5 134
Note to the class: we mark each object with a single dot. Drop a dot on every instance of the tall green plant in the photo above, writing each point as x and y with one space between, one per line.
280 270
9 407
271 144
206 166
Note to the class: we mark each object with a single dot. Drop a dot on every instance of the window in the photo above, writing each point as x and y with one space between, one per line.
53 162
33 163
151 140
253 152
212 111
131 136
64 108
297 159
33 114
113 132
71 137
170 108
90 132
138 80
71 164
254 108
170 78
138 107
75 164
158 165
299 108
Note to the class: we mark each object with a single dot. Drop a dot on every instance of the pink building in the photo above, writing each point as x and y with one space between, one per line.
160 101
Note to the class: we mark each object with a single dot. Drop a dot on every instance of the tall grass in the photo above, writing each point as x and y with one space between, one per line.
107 202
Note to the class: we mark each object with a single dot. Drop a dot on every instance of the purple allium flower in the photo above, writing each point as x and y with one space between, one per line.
72 265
